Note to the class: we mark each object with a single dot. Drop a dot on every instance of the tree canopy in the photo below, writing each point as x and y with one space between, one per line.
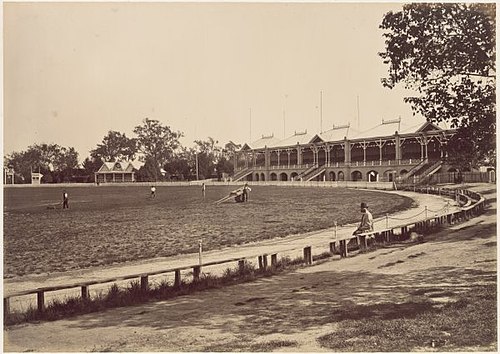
115 146
53 161
156 141
445 53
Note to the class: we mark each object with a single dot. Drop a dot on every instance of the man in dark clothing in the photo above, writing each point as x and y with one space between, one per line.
246 189
65 200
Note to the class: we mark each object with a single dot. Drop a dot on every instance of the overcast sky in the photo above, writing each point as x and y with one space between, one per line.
74 71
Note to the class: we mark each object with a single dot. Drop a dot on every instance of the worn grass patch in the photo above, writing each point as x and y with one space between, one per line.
242 346
470 321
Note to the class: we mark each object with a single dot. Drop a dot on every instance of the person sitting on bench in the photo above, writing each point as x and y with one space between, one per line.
366 224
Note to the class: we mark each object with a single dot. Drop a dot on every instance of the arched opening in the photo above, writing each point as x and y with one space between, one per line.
340 176
274 177
390 175
283 176
403 172
262 177
250 177
356 176
257 177
372 176
293 176
332 176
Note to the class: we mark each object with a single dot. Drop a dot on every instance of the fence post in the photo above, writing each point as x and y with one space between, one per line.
264 261
144 283
196 272
40 299
386 220
241 265
200 250
307 255
177 280
85 292
332 247
274 260
6 306
261 263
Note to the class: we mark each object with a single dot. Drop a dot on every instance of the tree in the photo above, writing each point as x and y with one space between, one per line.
182 164
114 147
149 172
208 155
226 161
53 161
157 142
445 53
92 165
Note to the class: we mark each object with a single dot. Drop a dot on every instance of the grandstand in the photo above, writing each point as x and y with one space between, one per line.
389 151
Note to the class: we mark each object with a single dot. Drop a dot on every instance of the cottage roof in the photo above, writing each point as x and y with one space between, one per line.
118 166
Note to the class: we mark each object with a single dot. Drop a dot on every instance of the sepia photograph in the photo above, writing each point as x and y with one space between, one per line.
281 176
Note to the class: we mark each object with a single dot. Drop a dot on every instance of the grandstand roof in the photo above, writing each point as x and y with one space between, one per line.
338 133
297 138
264 141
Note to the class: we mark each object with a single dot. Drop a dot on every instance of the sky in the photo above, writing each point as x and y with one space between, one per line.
230 71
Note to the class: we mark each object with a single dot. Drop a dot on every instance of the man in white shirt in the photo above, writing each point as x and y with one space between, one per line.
366 224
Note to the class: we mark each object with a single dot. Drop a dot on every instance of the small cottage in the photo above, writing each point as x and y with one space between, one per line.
115 172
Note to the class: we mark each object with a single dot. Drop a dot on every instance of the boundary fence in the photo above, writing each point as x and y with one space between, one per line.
472 204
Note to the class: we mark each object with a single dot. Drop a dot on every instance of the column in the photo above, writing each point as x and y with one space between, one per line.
347 151
288 152
278 152
397 148
266 158
299 155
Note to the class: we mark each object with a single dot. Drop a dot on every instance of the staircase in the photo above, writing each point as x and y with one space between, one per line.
305 173
414 170
313 174
425 176
242 174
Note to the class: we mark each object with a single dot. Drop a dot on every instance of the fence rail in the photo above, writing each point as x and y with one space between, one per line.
472 204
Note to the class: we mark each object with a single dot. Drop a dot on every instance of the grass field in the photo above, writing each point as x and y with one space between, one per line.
114 224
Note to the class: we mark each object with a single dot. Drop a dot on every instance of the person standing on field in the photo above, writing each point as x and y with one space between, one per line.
203 189
246 190
153 192
65 200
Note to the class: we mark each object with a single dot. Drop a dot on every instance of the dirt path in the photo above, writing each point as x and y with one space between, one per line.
290 309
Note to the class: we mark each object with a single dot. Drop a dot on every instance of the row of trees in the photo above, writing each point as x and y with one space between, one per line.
155 144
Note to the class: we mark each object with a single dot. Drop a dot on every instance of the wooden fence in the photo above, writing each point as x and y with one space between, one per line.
472 204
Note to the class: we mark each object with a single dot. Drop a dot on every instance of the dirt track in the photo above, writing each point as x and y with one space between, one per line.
290 307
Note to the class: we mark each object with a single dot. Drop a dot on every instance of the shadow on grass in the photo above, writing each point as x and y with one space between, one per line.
290 304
